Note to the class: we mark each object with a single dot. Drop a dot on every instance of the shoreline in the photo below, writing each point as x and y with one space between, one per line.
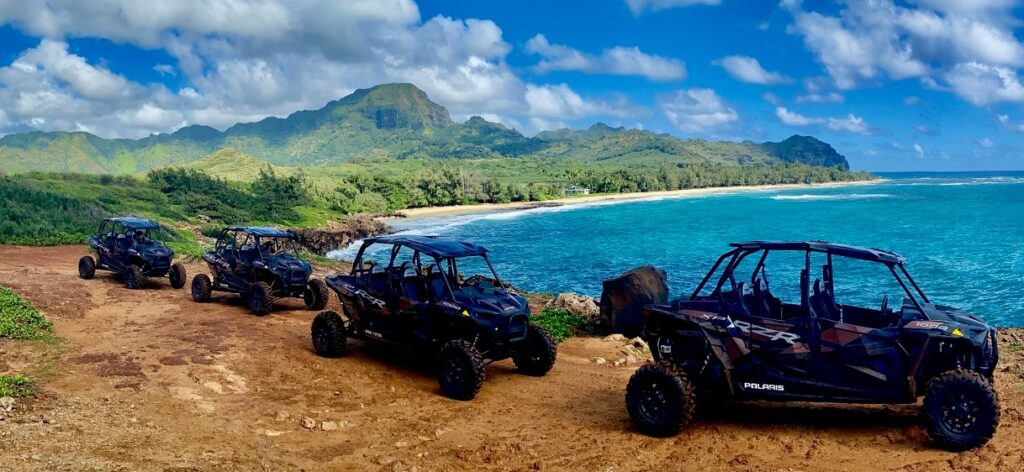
454 210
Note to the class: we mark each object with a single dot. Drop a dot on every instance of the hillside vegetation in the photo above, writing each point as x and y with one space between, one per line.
377 150
392 122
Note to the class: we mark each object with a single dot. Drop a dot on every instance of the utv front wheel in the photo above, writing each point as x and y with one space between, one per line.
660 399
201 288
260 299
315 295
133 277
961 410
461 370
86 267
329 336
537 354
177 275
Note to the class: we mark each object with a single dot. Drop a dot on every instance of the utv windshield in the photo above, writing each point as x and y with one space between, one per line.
273 246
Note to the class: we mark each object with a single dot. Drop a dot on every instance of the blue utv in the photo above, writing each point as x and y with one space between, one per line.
411 292
125 246
260 264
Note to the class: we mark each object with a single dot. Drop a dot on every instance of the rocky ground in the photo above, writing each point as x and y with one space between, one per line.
149 380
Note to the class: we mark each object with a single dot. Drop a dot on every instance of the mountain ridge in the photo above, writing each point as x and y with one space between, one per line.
388 121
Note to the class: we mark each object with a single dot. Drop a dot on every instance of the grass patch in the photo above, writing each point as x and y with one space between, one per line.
1016 347
16 386
19 319
561 324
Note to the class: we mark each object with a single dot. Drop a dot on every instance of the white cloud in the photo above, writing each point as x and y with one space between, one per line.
790 118
245 60
871 40
640 6
985 142
851 124
918 150
615 61
697 110
748 69
983 84
1007 123
830 97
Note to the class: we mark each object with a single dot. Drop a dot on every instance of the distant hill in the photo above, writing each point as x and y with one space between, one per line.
386 122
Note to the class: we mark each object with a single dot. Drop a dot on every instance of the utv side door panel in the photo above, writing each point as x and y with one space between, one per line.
861 362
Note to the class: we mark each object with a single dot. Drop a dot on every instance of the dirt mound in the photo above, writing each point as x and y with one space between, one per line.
149 380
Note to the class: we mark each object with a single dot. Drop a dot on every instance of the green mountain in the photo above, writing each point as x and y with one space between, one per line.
386 122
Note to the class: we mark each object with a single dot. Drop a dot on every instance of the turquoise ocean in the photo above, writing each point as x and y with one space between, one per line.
962 233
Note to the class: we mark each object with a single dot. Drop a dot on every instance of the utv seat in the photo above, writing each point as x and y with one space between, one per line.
123 243
436 286
247 255
413 287
377 279
823 305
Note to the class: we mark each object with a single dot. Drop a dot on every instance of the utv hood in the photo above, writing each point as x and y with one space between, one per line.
289 267
490 300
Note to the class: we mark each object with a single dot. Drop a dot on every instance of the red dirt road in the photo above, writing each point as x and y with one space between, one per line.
149 380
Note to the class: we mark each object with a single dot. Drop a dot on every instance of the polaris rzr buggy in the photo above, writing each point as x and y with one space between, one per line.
125 246
410 292
260 264
811 337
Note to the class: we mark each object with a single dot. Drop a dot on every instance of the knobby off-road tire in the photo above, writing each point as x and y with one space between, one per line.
537 354
460 371
86 267
202 287
133 277
260 298
961 410
316 295
177 275
660 399
329 335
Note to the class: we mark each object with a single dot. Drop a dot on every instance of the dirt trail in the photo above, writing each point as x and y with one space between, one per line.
149 380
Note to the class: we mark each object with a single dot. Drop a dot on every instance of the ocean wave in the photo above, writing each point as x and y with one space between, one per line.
816 197
953 182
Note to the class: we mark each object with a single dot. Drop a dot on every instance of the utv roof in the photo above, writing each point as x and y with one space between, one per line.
845 250
263 231
134 222
434 246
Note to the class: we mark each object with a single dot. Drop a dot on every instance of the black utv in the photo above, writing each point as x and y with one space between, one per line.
260 264
812 335
126 246
411 292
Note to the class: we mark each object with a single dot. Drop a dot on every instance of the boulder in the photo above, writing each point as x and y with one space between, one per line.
580 305
623 298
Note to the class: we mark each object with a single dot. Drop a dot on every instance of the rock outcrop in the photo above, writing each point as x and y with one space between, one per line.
340 235
623 298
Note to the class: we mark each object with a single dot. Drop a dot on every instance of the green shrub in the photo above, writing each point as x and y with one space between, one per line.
561 324
16 386
19 319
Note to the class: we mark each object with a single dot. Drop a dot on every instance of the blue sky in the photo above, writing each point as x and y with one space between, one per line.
893 85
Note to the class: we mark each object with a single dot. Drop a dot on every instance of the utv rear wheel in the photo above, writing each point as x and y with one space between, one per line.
961 410
201 288
461 370
86 267
660 399
537 354
329 336
133 277
316 295
260 299
177 275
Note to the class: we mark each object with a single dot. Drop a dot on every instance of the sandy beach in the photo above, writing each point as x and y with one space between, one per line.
440 211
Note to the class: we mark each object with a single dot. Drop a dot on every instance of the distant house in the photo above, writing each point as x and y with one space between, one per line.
574 190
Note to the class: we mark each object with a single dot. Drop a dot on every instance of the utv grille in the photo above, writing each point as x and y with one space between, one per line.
297 277
517 327
161 262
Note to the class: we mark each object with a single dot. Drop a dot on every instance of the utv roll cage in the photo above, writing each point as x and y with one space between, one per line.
258 233
894 262
440 248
